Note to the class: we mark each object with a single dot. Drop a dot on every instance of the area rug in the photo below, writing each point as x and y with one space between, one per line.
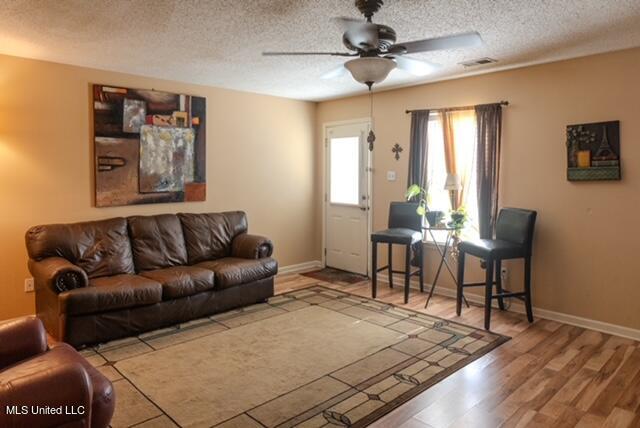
336 276
309 358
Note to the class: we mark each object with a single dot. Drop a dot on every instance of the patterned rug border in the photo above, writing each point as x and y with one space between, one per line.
396 306
412 393
316 288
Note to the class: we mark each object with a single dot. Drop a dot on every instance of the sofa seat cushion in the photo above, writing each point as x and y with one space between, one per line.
230 271
109 293
181 281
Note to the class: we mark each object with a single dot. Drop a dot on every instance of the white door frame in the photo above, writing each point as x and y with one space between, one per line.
325 177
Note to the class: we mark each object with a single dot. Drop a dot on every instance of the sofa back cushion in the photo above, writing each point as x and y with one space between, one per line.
157 242
100 248
209 236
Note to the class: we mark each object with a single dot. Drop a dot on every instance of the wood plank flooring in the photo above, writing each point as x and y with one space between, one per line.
549 375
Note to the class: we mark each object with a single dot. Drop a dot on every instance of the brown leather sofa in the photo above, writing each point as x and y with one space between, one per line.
58 380
102 280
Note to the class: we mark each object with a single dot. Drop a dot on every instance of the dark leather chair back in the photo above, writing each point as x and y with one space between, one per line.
516 225
403 214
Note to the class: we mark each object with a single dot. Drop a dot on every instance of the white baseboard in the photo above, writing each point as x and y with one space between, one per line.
518 307
300 267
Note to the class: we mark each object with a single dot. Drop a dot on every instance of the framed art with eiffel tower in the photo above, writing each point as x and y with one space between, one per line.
593 151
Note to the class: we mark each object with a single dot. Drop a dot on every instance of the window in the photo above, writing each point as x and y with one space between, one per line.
463 125
345 170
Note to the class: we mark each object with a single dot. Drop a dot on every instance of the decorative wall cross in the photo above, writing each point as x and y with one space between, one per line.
397 149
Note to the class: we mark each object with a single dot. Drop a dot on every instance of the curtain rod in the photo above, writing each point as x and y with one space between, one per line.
502 103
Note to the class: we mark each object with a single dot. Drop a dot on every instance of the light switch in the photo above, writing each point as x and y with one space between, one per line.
391 176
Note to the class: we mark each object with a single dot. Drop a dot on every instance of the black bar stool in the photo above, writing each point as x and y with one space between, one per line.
405 228
514 240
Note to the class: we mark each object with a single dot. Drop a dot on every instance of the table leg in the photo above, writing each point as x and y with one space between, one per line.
390 265
374 269
443 255
443 258
407 273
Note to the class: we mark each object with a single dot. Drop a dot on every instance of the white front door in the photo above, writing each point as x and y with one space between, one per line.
347 198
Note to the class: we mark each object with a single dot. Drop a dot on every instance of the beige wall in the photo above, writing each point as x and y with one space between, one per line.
260 158
587 243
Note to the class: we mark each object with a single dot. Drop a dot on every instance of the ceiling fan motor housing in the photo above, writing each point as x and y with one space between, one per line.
386 38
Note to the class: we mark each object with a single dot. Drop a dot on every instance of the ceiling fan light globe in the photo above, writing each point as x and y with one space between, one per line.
370 70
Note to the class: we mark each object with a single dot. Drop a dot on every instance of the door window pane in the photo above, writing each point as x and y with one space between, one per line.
345 170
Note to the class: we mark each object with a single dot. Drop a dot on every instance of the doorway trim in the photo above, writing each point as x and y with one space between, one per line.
325 177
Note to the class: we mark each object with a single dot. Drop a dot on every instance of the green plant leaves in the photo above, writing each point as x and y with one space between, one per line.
413 191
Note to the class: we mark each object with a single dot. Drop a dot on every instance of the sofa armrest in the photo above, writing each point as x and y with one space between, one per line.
247 246
20 339
57 274
66 387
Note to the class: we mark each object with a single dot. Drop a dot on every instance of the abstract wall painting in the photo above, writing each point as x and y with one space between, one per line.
166 158
150 146
134 115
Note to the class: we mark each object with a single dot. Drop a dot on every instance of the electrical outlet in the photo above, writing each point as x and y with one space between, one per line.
504 273
28 285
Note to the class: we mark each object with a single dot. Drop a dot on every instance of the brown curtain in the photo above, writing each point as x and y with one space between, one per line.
451 119
489 128
418 148
449 141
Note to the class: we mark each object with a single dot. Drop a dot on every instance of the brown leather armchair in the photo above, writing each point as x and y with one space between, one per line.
43 386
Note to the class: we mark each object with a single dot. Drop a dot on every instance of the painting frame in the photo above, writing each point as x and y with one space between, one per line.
172 165
593 151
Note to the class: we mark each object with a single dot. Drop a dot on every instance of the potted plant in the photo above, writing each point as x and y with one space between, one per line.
415 192
459 219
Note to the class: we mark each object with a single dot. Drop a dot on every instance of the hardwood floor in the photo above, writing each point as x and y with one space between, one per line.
549 375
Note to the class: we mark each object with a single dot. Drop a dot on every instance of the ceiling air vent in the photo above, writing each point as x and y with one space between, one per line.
480 61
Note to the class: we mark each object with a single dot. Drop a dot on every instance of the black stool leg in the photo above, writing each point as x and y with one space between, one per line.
498 275
527 287
390 265
407 273
488 294
460 282
374 269
421 265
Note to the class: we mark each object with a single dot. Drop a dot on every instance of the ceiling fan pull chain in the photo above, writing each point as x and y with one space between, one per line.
372 136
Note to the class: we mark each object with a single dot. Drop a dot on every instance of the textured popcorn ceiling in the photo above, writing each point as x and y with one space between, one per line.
218 42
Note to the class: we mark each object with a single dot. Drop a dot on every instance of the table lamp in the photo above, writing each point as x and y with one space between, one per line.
452 184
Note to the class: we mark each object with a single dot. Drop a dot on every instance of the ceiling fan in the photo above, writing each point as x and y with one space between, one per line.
376 51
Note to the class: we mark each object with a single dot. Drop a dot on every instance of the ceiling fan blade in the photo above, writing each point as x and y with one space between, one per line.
308 53
346 22
335 73
415 67
359 34
447 42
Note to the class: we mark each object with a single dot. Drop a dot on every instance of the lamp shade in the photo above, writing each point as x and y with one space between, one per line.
453 182
370 70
